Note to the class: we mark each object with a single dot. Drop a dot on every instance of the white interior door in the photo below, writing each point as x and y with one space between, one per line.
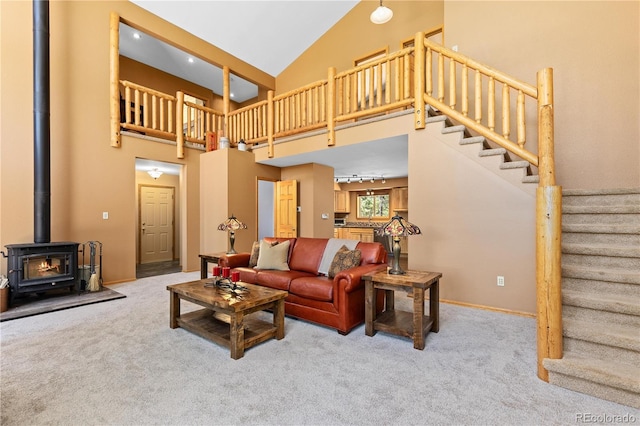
156 223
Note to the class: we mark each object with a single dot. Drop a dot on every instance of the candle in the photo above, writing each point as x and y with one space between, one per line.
216 271
226 271
235 276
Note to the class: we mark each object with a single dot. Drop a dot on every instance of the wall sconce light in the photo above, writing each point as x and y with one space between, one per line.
155 173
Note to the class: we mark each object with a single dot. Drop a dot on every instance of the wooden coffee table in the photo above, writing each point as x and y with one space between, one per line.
225 319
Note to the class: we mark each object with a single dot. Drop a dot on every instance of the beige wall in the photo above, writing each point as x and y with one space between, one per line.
229 181
354 36
315 197
475 224
593 48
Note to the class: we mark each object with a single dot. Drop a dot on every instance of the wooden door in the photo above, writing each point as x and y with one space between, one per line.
287 209
156 223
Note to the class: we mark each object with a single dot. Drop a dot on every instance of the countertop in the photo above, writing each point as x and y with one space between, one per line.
362 225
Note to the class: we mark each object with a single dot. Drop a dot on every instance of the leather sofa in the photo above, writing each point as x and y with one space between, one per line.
334 302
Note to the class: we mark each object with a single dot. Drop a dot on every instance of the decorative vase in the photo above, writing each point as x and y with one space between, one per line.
224 143
242 146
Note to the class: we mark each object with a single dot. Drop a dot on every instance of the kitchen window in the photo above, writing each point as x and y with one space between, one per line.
373 206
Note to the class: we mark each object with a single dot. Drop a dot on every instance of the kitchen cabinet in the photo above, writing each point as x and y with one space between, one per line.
341 233
362 234
400 199
341 202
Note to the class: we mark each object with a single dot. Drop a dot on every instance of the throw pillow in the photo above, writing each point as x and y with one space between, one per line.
273 257
344 259
255 251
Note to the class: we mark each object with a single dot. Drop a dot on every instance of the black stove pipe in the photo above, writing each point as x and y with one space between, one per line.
41 123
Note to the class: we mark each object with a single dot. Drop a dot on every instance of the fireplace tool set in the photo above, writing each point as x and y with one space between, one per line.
95 278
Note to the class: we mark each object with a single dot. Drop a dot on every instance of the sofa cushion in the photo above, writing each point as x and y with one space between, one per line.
344 259
307 254
247 275
278 279
273 257
276 240
372 253
255 252
316 288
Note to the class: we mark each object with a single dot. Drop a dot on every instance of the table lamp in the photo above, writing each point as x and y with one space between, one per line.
232 225
397 227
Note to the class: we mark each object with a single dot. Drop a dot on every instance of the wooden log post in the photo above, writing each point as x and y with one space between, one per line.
179 126
226 99
114 78
331 106
419 114
548 234
270 123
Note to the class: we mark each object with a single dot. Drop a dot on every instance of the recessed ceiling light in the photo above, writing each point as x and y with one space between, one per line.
231 94
190 60
137 36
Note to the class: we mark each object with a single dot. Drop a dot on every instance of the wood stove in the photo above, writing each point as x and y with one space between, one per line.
39 267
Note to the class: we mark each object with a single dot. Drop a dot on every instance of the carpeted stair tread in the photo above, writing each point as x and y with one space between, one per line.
608 373
515 165
601 229
598 209
492 152
454 129
611 303
609 191
435 119
601 250
531 179
601 274
620 336
472 139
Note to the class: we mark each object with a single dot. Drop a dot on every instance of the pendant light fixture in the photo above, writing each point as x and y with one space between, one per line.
381 15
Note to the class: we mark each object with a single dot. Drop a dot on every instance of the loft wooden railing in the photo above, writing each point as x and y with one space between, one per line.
477 96
147 110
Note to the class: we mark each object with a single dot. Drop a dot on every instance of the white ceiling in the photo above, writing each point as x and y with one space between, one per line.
270 35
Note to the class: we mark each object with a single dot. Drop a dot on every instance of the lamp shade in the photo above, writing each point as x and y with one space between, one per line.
231 224
381 15
398 227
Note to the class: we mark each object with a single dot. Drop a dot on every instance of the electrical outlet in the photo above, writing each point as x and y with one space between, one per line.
500 281
105 215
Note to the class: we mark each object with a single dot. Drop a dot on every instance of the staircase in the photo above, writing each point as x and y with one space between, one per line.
600 295
498 160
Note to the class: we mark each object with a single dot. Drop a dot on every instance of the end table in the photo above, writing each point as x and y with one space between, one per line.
412 325
204 262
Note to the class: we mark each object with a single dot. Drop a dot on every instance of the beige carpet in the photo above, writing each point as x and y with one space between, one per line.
119 363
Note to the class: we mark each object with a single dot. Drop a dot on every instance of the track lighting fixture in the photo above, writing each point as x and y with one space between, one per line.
360 179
